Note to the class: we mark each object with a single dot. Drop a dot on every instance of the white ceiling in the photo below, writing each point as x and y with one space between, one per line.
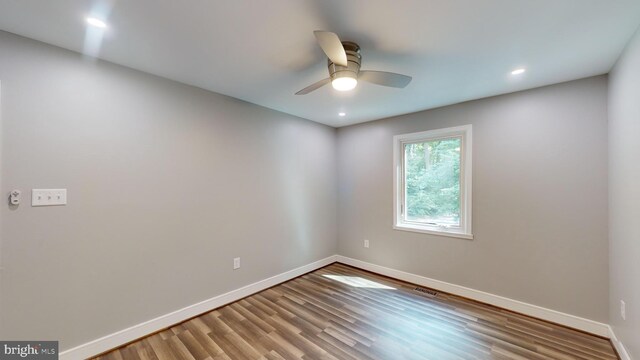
265 51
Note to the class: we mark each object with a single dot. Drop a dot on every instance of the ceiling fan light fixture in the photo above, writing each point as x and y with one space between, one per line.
343 63
344 83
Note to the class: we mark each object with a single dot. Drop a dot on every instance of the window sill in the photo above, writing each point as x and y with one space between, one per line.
433 232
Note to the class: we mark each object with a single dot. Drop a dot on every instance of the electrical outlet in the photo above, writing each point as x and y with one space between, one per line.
366 243
236 263
623 310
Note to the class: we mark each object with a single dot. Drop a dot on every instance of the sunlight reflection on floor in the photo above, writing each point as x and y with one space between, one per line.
356 281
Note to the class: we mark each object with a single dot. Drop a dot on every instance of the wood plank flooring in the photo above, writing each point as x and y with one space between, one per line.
339 312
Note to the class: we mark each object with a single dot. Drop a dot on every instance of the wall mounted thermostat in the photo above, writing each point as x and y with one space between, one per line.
14 197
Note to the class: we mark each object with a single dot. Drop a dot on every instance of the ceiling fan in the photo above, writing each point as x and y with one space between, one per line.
344 66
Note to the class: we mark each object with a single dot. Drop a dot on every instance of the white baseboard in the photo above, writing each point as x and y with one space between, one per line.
122 337
557 317
624 355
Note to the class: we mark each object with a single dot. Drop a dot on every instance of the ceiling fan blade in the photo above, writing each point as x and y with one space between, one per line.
385 78
314 86
332 46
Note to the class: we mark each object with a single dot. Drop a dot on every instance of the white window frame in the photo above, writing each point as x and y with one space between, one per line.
399 221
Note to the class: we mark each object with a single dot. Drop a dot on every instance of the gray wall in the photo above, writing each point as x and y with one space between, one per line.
539 198
167 183
624 195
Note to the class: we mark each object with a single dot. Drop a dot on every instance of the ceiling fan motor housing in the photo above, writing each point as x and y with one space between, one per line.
353 62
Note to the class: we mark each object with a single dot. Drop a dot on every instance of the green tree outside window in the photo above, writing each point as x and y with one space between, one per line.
432 181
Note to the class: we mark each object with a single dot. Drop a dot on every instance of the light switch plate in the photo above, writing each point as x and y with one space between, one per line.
48 197
236 263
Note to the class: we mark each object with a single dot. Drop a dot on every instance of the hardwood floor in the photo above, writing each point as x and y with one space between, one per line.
339 312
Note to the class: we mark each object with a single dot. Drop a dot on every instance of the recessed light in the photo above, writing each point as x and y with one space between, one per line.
96 22
518 71
342 114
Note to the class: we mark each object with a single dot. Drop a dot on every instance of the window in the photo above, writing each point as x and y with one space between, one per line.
432 183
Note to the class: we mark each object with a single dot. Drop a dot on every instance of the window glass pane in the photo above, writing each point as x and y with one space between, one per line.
432 182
